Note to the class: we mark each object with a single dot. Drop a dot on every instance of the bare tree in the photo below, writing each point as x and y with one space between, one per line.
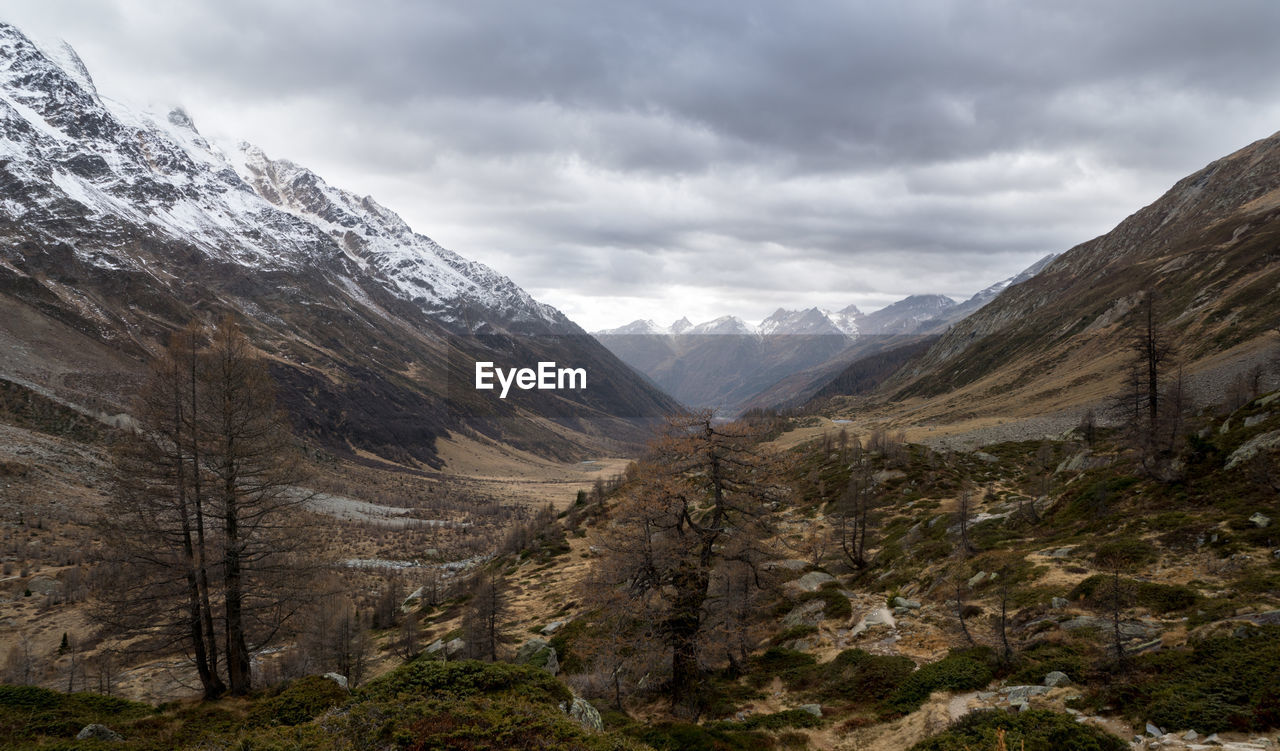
203 518
964 507
1115 558
1089 428
407 643
962 590
1006 651
1154 400
1154 348
21 666
483 618
701 500
853 513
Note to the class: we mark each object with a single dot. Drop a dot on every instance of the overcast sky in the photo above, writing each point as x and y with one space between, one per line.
654 159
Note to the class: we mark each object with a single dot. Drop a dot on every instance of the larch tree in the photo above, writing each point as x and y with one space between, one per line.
483 619
697 513
202 519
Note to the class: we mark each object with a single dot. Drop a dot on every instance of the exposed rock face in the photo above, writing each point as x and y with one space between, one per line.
1253 447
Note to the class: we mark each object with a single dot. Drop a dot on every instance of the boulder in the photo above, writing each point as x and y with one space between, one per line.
888 475
412 601
1019 694
791 564
553 627
811 582
902 602
813 709
454 647
540 653
530 648
585 715
1058 603
805 614
1253 447
878 618
1056 678
96 732
1128 629
337 678
1153 730
1260 520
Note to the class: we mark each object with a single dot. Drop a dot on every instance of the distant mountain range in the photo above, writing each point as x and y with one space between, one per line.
117 227
728 364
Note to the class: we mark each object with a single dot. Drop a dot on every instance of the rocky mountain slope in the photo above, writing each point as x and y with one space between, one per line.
1206 254
116 227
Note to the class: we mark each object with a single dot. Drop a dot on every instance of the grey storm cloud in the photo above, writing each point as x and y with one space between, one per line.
715 157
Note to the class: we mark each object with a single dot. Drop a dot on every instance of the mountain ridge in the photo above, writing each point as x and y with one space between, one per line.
117 228
730 365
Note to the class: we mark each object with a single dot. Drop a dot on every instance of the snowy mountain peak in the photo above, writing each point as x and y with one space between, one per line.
68 156
723 326
810 322
681 326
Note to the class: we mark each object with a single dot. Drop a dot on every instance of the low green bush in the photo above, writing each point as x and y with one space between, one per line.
794 668
1096 591
787 718
1217 684
1036 730
27 712
1038 660
300 701
861 678
423 677
683 736
955 672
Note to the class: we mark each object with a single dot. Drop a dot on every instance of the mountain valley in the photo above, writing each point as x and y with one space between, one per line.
1041 518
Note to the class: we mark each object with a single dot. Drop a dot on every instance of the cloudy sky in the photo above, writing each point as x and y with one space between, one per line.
654 159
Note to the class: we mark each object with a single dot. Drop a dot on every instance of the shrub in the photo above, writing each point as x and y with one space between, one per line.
1036 730
791 666
29 711
862 678
300 701
682 736
955 672
1221 683
837 605
787 718
1156 597
423 677
1042 658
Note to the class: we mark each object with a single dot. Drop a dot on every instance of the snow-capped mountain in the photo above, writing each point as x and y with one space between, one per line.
69 153
728 364
118 226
